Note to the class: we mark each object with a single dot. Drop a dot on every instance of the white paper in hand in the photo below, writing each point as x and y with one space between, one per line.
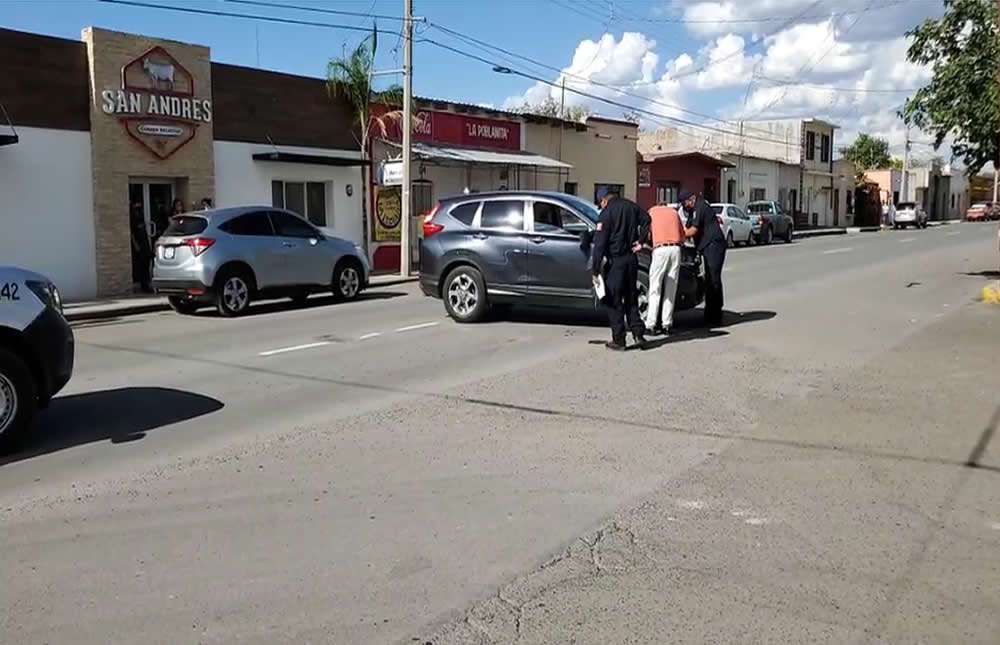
599 287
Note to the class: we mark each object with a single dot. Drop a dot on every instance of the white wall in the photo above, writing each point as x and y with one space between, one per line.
46 208
241 181
749 173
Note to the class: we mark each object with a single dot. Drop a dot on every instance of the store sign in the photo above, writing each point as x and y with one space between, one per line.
467 131
388 214
156 103
392 173
644 176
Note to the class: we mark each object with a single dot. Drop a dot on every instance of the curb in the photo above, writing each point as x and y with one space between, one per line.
115 311
820 233
864 229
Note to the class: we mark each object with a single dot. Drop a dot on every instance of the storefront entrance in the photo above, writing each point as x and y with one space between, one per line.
150 204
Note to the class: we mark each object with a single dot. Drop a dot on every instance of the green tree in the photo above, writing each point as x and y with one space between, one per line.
963 50
896 163
867 153
551 108
350 77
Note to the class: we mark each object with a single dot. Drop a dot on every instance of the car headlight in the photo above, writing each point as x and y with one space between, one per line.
47 293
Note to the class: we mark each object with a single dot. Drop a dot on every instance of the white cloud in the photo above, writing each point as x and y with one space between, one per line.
727 64
813 48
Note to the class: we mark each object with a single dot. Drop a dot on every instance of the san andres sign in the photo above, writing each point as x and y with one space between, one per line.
156 103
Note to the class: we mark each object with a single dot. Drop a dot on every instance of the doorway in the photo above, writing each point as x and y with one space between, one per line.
150 204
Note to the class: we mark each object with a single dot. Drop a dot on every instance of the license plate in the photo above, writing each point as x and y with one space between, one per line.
168 253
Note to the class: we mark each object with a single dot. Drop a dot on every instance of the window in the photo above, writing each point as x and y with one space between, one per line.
308 199
810 146
182 225
824 151
758 194
895 197
793 200
465 213
570 188
850 203
249 224
287 225
503 214
953 200
421 197
550 218
668 192
600 190
731 191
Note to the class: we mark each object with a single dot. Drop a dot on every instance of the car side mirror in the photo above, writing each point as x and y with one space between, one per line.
586 239
313 241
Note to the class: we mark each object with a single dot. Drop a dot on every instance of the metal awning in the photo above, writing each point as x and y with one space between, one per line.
471 156
7 135
316 159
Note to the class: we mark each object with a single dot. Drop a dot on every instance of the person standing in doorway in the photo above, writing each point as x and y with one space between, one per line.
704 227
177 208
668 236
621 229
141 256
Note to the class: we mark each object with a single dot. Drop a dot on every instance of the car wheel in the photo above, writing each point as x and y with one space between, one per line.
642 289
18 400
233 293
729 240
789 234
347 280
182 305
465 295
767 236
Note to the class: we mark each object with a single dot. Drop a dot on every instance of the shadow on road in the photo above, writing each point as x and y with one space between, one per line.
983 274
273 306
121 415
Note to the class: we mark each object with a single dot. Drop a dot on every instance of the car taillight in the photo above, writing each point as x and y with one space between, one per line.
198 245
430 227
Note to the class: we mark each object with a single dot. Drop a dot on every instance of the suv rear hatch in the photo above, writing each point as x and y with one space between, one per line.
182 242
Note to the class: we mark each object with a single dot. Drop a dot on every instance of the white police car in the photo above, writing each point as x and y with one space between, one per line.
36 350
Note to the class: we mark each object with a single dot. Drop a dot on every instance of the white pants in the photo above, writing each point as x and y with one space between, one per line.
666 262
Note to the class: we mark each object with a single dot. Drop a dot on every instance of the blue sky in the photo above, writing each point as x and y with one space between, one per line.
799 59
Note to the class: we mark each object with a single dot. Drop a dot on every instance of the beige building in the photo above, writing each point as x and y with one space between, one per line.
601 151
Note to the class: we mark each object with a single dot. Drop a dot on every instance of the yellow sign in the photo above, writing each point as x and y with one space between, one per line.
388 213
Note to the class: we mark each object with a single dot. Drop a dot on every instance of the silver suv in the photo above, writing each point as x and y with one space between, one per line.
231 256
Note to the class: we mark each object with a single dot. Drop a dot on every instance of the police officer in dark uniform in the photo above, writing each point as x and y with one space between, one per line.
621 229
703 226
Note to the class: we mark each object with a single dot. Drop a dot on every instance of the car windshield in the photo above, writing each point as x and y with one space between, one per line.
585 208
759 208
182 225
906 206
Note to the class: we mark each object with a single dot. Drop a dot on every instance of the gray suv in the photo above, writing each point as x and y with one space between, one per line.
230 256
525 247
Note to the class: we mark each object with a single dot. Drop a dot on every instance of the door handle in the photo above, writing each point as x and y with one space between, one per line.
480 236
290 245
538 240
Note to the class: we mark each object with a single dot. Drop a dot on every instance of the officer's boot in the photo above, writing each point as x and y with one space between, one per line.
616 343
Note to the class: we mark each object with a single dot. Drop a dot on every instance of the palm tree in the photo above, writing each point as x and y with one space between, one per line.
351 78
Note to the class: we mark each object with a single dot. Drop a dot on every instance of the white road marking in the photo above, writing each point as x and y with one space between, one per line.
953 233
843 250
371 335
691 504
420 326
909 239
295 348
756 521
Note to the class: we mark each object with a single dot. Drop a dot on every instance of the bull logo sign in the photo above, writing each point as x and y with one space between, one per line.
156 103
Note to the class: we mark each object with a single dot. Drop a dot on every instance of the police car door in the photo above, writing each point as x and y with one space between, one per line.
557 262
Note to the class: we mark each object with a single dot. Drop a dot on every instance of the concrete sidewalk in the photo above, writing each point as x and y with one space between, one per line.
142 304
851 230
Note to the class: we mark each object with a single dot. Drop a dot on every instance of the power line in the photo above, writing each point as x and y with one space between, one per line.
602 99
736 21
228 14
859 90
338 12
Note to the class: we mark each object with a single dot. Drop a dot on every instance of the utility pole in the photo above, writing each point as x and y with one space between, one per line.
404 225
906 167
996 156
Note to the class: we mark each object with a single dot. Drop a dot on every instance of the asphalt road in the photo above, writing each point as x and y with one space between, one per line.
372 472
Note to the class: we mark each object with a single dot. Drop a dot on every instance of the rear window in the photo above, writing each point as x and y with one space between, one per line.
465 213
717 210
759 208
182 225
906 206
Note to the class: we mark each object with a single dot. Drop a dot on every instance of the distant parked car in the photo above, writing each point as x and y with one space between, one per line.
981 212
910 214
523 247
230 256
771 221
736 225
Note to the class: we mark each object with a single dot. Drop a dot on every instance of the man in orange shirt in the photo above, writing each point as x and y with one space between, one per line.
668 236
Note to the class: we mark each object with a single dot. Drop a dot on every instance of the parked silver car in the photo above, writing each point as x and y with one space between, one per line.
910 214
231 256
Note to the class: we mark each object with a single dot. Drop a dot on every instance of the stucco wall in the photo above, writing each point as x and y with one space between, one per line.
47 214
241 181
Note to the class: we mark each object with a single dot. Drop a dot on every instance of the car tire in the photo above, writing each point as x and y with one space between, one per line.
464 295
234 290
730 242
789 234
347 278
182 305
18 400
